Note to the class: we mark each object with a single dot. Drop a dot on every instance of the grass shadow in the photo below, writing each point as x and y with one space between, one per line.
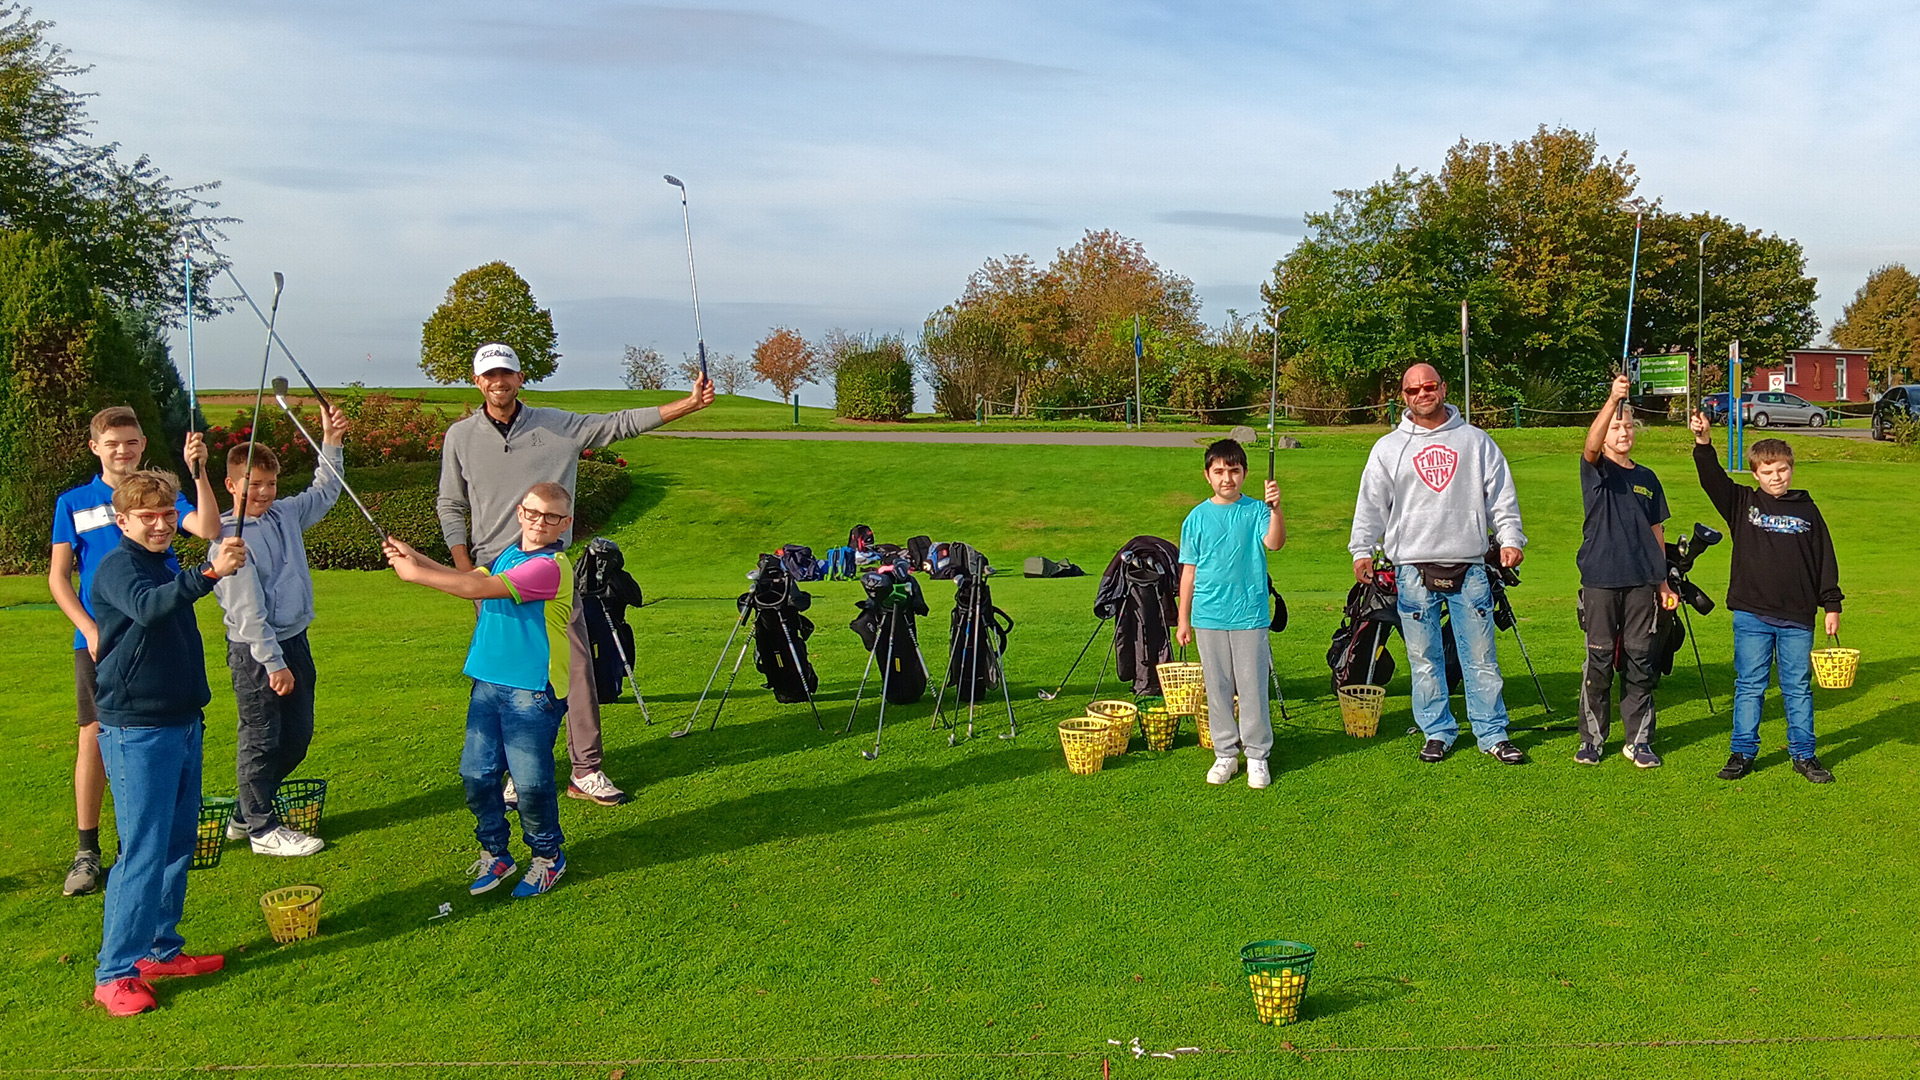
1355 992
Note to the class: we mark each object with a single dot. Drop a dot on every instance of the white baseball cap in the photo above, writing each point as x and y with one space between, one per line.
495 357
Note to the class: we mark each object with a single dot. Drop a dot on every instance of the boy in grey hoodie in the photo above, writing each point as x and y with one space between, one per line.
1432 491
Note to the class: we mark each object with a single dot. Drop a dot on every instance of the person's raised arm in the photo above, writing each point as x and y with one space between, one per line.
146 602
311 505
1276 537
1714 480
410 565
204 521
1602 420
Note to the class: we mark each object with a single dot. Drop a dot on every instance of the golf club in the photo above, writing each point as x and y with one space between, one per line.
273 338
1273 388
724 649
1049 695
698 333
253 429
280 395
193 403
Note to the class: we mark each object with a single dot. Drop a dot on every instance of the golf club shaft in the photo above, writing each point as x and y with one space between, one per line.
320 454
1044 696
274 338
253 429
699 333
193 402
1273 389
1697 663
862 689
625 664
732 676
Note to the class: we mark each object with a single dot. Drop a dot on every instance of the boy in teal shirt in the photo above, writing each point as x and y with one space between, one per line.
518 664
1223 603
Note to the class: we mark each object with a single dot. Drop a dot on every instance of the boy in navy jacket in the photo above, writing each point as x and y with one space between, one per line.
152 679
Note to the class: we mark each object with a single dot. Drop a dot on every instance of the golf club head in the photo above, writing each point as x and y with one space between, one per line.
280 388
675 181
1044 695
279 282
678 733
1284 308
870 755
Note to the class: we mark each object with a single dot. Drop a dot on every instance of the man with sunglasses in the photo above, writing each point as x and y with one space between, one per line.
1432 491
488 460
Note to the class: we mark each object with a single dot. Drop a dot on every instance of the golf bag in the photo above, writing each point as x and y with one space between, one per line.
1140 592
780 632
887 627
605 590
1039 566
800 563
1359 655
980 639
839 564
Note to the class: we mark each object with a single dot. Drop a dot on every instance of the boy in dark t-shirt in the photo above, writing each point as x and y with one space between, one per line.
1623 570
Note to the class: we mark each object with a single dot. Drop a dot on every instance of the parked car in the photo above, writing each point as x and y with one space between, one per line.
1767 409
1715 406
1899 401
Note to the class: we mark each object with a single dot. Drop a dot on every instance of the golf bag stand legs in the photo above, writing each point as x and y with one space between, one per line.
794 651
1537 688
688 726
1697 664
886 677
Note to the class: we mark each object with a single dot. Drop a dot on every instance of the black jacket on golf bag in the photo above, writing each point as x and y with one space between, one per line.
1140 592
979 641
1359 654
780 632
887 627
605 590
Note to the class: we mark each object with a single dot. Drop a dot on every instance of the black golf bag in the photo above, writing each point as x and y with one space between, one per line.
800 562
979 631
887 627
1140 592
605 590
780 632
1359 655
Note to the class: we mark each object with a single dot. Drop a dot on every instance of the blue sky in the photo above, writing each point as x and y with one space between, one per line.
848 165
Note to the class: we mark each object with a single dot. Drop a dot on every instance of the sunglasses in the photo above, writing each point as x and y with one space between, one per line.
543 518
1421 388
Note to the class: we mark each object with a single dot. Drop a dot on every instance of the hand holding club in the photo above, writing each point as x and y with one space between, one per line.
229 557
1622 387
333 424
1363 571
1511 557
195 453
1272 496
1697 423
400 556
702 395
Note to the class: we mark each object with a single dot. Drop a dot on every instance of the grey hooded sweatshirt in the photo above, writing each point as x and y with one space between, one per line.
1433 496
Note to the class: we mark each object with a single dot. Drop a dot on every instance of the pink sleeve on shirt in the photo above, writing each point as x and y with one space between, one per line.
533 580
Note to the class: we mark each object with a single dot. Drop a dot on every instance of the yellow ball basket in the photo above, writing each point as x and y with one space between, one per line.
1085 741
1833 666
1120 717
1161 726
1360 709
1185 688
293 913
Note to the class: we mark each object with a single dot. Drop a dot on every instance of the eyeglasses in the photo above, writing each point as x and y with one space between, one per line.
150 518
534 516
1421 388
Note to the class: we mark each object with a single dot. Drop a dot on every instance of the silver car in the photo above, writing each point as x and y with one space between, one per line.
1766 409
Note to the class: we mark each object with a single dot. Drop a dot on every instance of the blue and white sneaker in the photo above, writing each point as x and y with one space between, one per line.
541 876
490 870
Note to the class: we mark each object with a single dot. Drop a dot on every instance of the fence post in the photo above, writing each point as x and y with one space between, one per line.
796 408
1516 414
979 410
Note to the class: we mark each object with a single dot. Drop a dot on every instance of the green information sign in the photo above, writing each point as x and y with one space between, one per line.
1663 375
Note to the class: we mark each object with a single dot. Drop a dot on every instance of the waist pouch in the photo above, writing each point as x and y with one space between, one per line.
1443 577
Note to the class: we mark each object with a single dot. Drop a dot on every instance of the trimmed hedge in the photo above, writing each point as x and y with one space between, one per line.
873 381
401 498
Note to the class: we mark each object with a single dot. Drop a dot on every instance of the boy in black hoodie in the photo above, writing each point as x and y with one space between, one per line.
152 686
1783 568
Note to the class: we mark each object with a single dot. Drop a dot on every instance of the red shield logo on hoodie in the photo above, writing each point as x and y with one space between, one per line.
1436 465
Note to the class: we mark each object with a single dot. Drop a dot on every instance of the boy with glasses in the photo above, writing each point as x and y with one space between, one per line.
518 664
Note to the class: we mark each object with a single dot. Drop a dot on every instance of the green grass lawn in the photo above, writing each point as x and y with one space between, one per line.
773 902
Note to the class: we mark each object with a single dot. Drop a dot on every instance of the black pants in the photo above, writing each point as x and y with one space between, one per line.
275 731
1622 621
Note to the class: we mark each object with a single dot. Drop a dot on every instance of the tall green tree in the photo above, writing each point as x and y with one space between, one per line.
126 222
487 303
65 353
1757 292
1884 316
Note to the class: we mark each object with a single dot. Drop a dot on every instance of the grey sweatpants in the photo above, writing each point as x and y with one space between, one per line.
1237 662
583 698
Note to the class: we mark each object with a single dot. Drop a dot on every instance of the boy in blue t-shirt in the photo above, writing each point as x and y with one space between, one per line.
1223 602
83 534
518 663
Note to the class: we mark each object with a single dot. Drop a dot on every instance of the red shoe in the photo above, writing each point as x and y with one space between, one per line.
181 966
125 997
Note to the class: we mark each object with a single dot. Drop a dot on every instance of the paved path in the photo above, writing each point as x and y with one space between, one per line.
1181 439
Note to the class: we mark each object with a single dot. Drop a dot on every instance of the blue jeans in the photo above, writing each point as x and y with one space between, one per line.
154 773
512 730
1757 646
1472 613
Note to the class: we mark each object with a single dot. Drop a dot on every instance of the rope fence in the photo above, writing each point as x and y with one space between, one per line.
1139 412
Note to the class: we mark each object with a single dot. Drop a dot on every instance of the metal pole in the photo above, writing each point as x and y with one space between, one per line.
1136 365
193 400
1699 321
1736 430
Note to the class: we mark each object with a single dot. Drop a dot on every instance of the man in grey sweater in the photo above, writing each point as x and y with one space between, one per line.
1432 491
487 463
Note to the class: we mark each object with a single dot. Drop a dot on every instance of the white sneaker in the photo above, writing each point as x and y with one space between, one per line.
595 787
1258 775
511 794
235 830
1223 770
285 841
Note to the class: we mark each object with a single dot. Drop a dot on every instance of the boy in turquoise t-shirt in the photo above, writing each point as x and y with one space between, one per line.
1223 602
518 663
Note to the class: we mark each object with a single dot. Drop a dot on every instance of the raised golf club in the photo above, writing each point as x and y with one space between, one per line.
699 334
1273 387
280 395
253 429
272 338
193 402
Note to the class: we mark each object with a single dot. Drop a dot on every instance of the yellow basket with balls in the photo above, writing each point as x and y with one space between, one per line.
1833 666
293 913
1084 739
1185 688
1277 973
1360 709
1120 717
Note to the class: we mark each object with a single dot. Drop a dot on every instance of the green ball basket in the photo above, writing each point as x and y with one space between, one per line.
1277 973
211 837
299 803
